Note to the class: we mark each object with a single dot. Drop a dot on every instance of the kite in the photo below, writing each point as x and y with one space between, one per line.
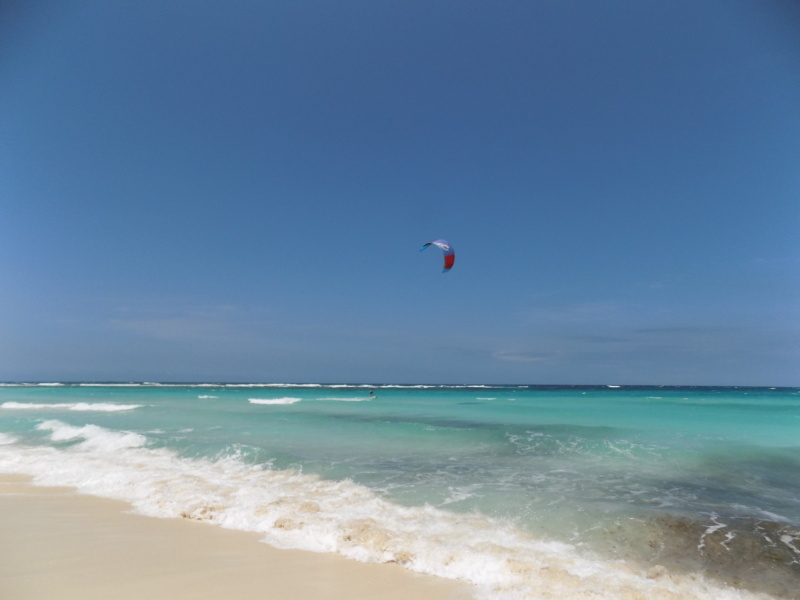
449 254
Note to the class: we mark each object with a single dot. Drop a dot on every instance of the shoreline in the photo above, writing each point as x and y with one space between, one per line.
57 543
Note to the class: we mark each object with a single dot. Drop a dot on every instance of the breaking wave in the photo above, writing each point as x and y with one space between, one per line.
296 510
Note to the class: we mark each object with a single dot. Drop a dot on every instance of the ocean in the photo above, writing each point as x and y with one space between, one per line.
525 492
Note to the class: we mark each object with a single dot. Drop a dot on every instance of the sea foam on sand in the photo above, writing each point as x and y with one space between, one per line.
60 545
290 509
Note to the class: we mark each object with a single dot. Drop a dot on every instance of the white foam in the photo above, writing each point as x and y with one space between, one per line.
119 385
789 541
406 387
274 400
78 406
28 384
94 438
336 386
206 397
709 530
296 510
273 385
7 439
460 494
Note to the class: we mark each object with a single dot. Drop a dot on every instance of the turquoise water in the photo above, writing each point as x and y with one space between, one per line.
523 491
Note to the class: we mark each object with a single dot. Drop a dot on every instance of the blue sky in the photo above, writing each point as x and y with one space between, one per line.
237 191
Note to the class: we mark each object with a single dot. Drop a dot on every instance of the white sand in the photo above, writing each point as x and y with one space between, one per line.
56 545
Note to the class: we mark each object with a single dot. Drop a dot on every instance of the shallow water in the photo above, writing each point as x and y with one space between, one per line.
527 492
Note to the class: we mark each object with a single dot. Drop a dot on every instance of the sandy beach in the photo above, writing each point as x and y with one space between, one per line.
60 545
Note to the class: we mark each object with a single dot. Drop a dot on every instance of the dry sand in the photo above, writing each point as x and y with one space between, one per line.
56 545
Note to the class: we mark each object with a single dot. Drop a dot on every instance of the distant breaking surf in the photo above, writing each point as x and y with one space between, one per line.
274 400
79 406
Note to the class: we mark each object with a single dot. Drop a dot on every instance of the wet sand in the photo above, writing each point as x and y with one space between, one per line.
57 544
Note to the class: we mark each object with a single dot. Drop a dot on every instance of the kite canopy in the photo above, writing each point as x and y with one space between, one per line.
449 253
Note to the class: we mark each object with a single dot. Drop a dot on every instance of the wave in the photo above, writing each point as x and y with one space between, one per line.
406 386
296 510
78 406
273 385
94 437
121 385
274 400
54 384
334 386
